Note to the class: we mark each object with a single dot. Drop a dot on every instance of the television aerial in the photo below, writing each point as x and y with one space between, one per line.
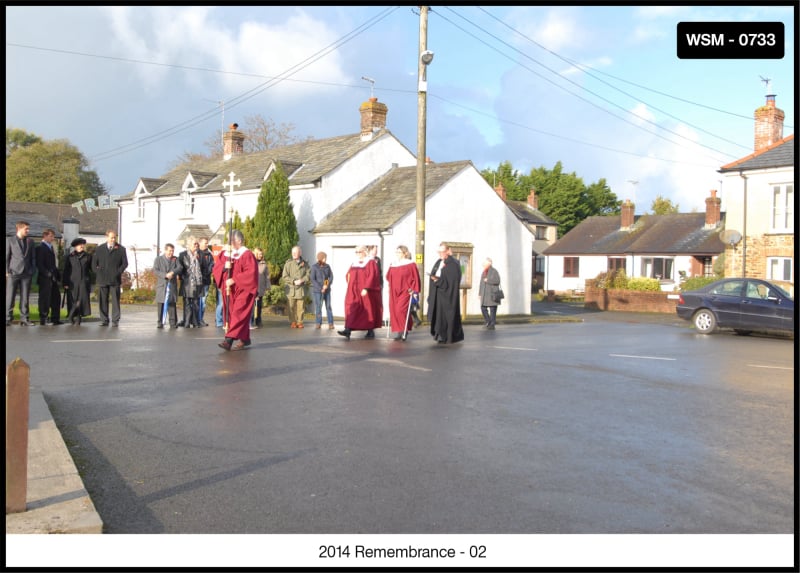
731 237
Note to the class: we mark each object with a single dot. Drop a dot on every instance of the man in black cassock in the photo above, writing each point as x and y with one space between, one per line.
444 302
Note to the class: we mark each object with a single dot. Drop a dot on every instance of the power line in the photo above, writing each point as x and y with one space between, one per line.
241 98
579 66
576 84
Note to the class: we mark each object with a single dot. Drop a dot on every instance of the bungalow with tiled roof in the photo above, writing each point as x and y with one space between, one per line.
87 220
666 247
461 210
760 204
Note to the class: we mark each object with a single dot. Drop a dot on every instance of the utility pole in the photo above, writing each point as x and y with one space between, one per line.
425 58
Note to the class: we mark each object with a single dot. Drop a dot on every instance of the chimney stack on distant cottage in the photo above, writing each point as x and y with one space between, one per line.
533 200
769 124
373 117
232 142
628 209
713 210
501 190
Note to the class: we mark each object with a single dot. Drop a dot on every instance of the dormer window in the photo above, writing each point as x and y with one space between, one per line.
140 208
188 203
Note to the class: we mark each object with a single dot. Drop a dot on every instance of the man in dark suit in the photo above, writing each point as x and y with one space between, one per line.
49 278
20 265
109 261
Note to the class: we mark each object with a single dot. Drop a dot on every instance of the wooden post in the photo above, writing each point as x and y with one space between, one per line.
17 414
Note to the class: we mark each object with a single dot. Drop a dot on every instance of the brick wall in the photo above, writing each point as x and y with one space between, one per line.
628 300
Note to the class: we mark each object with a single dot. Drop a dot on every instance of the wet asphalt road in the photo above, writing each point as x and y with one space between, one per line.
622 423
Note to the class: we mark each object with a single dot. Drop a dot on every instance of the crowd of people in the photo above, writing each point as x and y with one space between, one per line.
241 279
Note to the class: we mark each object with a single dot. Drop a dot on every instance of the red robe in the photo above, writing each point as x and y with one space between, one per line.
243 291
402 277
363 312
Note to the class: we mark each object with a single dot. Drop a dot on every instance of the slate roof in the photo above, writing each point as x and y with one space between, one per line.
528 214
381 204
304 163
779 154
674 234
44 215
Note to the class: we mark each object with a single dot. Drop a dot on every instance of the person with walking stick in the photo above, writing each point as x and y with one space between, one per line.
167 268
403 279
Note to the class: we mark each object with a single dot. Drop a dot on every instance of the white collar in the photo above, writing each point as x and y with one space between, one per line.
239 252
403 262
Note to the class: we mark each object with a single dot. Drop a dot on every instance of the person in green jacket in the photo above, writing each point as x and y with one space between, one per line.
296 277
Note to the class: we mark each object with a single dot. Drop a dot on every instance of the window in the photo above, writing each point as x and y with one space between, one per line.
571 267
541 232
616 264
780 269
139 208
539 264
657 268
708 267
783 207
188 204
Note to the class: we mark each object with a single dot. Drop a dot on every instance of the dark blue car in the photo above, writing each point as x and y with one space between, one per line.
742 304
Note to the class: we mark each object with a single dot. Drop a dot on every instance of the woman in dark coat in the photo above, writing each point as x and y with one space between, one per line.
77 281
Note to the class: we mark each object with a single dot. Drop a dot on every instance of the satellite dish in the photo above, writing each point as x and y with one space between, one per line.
731 237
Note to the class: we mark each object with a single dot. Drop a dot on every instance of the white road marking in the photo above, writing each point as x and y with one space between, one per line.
90 340
773 367
399 363
642 357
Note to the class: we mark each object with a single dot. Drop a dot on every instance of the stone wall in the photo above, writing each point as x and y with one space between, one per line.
629 300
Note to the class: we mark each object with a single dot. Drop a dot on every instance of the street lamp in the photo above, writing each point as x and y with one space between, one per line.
425 58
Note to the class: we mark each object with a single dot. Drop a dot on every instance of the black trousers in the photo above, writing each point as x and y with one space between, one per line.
103 292
49 303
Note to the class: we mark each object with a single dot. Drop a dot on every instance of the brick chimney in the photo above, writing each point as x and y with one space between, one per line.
373 117
628 209
712 210
500 190
533 200
769 124
232 142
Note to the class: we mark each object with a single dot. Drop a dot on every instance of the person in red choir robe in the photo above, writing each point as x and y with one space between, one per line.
363 303
403 279
236 275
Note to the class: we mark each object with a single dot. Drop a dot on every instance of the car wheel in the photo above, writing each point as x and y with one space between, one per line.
741 332
704 321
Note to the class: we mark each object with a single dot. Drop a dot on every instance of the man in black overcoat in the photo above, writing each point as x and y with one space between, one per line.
49 277
108 263
444 301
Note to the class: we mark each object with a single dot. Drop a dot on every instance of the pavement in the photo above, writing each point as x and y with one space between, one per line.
57 501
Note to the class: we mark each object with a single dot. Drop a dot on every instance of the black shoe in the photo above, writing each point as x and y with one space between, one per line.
490 327
370 334
42 322
114 324
203 323
79 321
159 325
57 323
103 324
8 323
345 333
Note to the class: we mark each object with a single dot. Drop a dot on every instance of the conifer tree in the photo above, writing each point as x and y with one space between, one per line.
274 224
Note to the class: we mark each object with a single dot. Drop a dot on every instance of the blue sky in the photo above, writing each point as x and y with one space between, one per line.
599 88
